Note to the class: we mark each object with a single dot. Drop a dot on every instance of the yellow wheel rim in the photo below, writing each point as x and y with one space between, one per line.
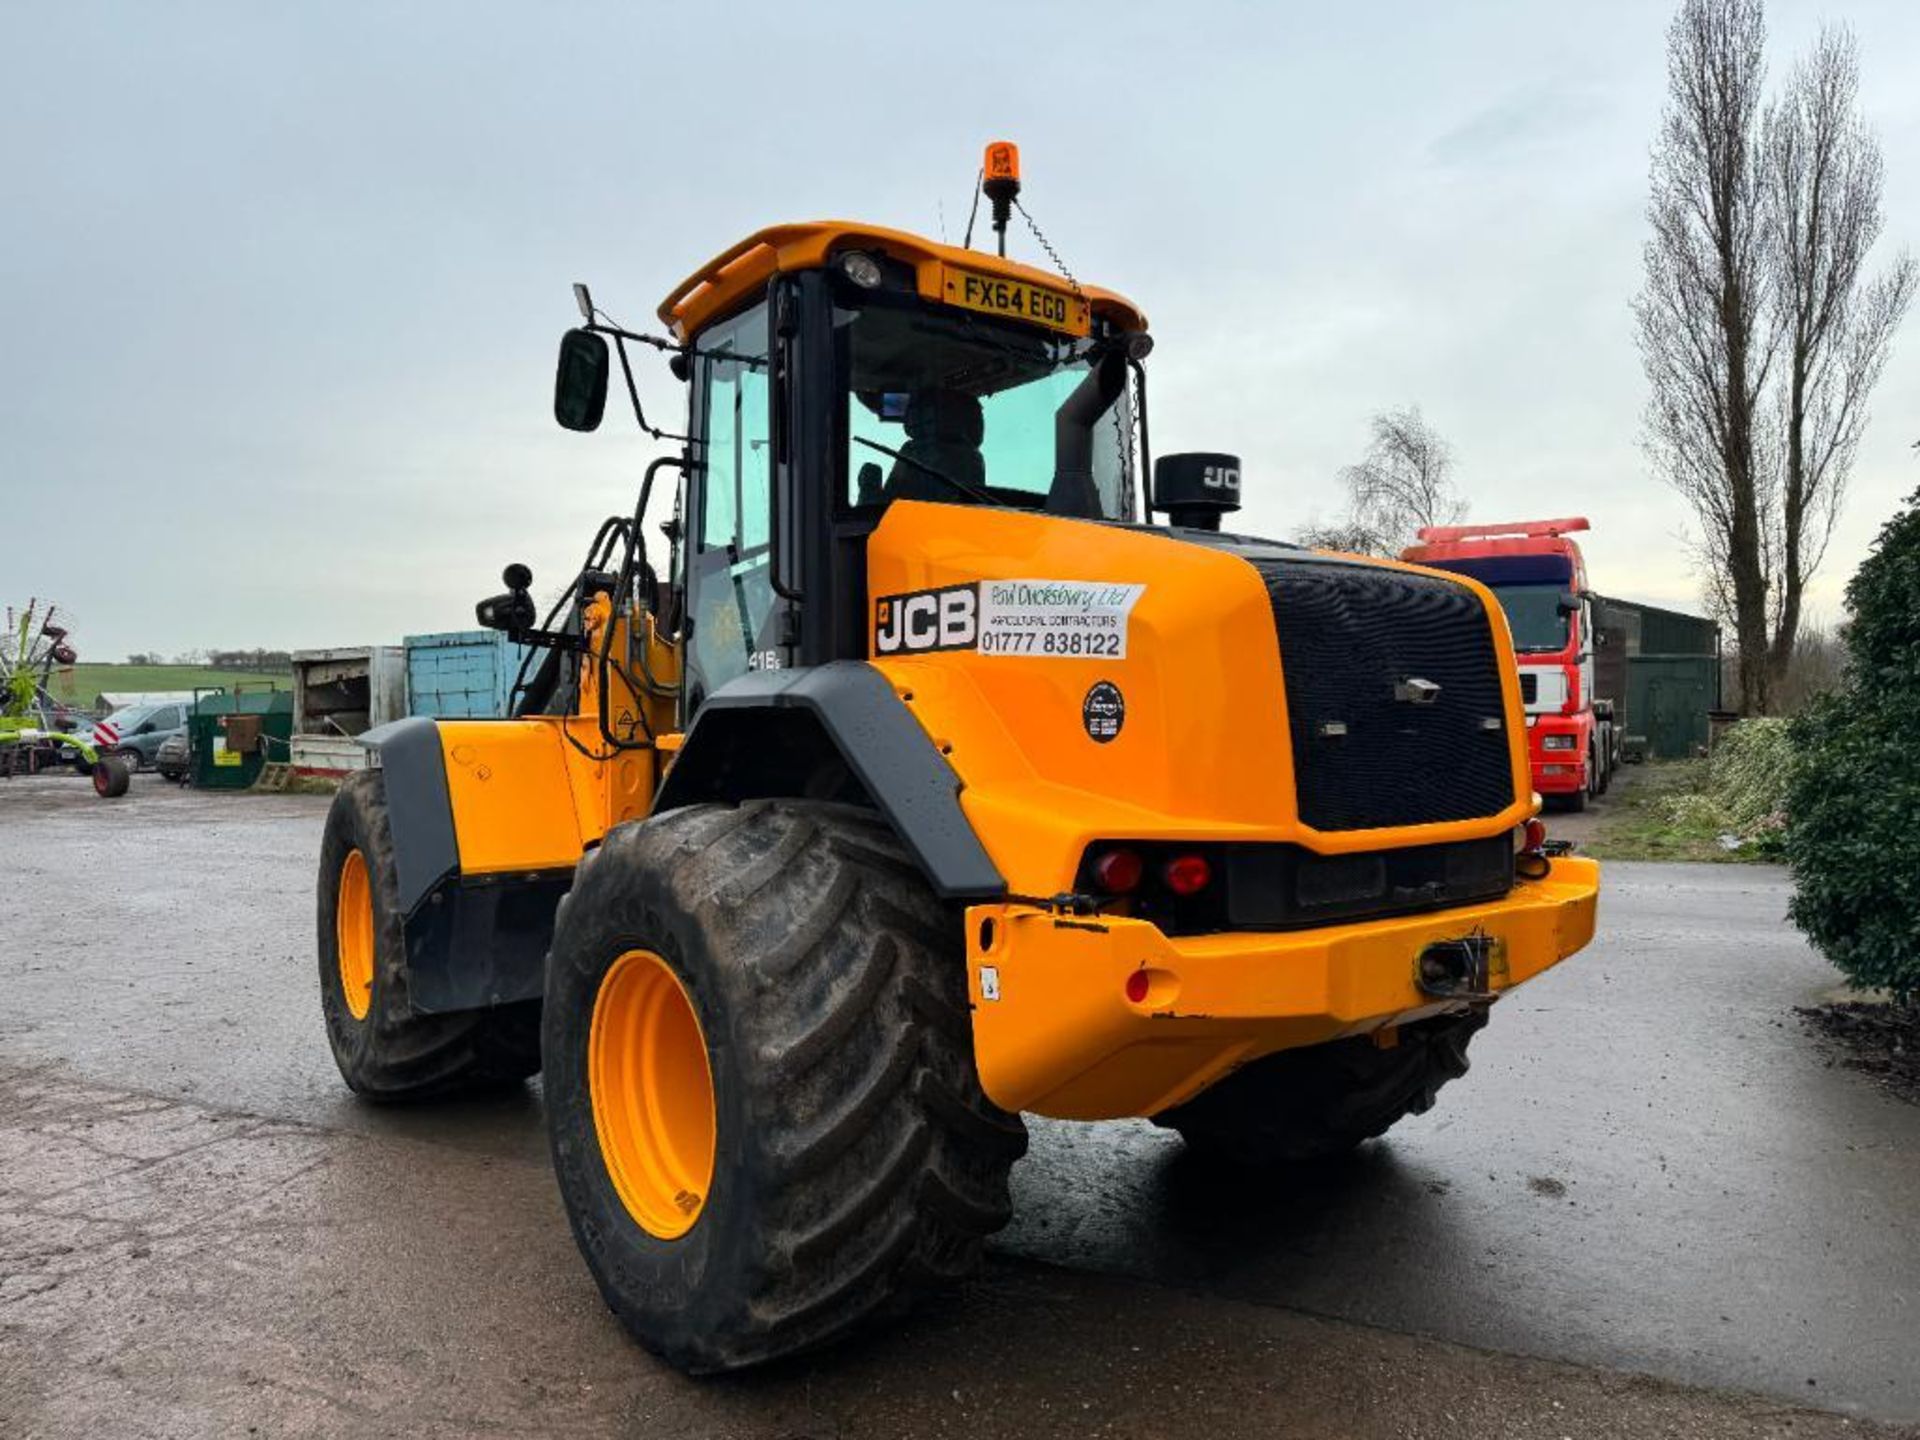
652 1092
353 934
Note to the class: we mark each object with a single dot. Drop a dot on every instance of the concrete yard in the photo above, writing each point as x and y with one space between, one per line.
1654 1208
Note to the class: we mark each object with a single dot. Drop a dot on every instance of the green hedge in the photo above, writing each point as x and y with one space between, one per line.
1853 793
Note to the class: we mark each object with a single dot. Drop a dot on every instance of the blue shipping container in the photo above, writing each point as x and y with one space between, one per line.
460 674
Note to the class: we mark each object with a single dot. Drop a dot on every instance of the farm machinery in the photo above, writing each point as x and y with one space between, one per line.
944 768
30 728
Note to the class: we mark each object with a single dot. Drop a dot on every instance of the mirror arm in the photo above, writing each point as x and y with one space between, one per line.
620 338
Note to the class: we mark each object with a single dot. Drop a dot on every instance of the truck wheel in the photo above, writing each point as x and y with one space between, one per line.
760 1087
1323 1100
383 1049
111 777
1603 769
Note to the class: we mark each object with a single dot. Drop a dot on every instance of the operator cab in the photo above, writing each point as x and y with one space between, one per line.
836 369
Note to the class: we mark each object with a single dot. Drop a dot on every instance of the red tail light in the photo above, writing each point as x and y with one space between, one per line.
1118 872
1533 834
1187 874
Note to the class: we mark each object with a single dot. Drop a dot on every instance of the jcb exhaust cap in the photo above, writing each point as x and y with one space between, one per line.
1196 488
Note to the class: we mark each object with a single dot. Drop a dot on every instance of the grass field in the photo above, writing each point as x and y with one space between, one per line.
79 685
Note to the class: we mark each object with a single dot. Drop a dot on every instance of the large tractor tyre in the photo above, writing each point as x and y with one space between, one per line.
1323 1100
111 777
384 1050
760 1087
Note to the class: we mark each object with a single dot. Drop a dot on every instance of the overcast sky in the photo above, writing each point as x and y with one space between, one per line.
280 287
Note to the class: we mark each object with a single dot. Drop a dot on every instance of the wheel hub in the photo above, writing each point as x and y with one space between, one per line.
652 1092
353 934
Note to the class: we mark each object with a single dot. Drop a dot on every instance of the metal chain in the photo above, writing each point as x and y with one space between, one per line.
1052 254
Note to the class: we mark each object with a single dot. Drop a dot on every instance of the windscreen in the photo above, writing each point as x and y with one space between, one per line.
1534 616
946 406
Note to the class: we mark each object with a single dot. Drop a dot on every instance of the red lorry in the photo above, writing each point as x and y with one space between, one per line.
1541 582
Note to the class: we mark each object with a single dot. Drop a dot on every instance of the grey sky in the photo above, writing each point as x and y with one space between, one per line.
280 288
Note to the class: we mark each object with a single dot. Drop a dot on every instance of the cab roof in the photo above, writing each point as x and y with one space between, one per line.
742 270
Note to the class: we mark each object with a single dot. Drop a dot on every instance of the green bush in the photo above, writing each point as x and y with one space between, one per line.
1853 793
1747 776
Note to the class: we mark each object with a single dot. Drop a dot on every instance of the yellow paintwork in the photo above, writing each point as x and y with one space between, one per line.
1062 1038
353 934
525 799
741 272
651 1086
1204 752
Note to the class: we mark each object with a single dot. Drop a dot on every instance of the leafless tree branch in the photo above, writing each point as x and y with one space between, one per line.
1404 481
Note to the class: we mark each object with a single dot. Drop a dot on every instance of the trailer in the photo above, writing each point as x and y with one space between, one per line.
339 694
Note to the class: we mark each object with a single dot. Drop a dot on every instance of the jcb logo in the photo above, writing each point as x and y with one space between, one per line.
926 620
1221 477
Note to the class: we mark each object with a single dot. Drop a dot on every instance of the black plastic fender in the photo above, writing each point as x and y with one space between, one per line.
764 734
472 941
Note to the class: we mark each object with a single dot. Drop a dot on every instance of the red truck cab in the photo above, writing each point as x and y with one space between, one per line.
1540 579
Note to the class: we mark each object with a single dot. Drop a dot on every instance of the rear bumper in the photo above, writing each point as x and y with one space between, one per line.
1056 1033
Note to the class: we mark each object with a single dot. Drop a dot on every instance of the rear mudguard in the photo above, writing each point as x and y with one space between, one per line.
772 733
482 859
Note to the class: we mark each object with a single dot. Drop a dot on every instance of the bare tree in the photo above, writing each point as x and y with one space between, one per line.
1701 320
1760 335
1404 481
1821 179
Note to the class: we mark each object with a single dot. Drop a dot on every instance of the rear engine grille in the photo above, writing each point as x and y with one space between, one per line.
1375 743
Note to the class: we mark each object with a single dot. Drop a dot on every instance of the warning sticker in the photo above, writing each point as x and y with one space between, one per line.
1061 618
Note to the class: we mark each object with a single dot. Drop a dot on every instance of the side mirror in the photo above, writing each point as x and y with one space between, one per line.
1196 488
1569 603
580 381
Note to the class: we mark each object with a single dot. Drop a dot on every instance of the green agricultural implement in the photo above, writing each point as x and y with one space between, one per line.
36 643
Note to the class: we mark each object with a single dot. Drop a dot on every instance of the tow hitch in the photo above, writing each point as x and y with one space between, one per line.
1455 969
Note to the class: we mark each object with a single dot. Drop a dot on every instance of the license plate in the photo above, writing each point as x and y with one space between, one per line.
1017 300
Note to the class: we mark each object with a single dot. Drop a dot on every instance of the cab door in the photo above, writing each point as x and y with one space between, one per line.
736 624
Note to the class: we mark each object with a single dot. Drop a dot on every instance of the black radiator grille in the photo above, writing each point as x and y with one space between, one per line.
1374 744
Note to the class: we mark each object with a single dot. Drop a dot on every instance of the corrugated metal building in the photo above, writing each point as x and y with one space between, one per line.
1662 668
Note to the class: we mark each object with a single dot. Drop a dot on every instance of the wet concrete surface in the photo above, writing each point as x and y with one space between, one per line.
1649 1170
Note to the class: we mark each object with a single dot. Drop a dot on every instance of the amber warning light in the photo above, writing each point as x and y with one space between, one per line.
1000 178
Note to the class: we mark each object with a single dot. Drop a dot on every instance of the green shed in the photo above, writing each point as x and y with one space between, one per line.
1668 697
232 735
1661 668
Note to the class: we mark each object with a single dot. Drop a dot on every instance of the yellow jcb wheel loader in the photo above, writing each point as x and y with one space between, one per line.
930 779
